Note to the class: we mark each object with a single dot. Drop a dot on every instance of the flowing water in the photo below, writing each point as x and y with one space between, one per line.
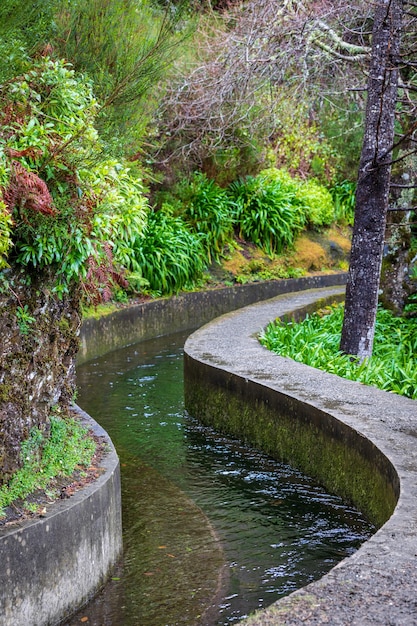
213 529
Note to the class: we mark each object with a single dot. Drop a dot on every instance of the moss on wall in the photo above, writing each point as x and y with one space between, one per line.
39 334
293 432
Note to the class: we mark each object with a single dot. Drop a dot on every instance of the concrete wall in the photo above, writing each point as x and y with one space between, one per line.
357 440
53 565
184 312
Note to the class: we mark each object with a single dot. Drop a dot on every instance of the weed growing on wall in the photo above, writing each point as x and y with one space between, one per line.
68 447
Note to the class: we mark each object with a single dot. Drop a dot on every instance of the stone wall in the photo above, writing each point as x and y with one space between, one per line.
38 347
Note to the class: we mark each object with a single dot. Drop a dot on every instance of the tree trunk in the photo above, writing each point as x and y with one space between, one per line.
373 182
396 285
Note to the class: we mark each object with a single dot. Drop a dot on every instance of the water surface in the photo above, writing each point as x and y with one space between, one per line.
213 530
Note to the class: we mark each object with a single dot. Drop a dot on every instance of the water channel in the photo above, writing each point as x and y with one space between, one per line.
213 530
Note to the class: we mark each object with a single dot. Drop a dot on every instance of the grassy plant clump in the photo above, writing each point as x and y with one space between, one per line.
169 255
209 211
268 214
315 342
343 195
273 207
67 449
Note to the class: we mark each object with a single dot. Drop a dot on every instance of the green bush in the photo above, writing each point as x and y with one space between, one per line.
169 255
64 203
268 213
314 199
316 202
209 211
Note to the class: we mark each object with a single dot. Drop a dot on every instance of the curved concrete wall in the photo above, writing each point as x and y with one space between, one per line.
53 565
186 311
357 440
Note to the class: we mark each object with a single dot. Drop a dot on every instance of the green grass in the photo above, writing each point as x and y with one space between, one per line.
67 449
315 342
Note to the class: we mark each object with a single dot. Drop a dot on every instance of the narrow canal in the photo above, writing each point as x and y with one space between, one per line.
213 530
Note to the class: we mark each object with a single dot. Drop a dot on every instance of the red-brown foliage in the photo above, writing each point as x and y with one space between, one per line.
27 190
101 277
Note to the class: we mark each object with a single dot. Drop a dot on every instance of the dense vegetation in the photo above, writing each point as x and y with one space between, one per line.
315 342
74 199
145 143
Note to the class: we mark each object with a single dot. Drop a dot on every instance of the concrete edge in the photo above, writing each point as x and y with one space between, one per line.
185 311
53 565
227 373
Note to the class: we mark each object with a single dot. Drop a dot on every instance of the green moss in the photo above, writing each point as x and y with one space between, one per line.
64 326
4 392
99 311
357 475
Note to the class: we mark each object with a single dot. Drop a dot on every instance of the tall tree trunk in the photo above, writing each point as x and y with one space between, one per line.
396 284
373 182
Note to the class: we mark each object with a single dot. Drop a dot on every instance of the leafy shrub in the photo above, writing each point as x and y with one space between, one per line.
67 202
209 211
343 195
316 202
313 198
268 214
169 255
315 342
123 208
